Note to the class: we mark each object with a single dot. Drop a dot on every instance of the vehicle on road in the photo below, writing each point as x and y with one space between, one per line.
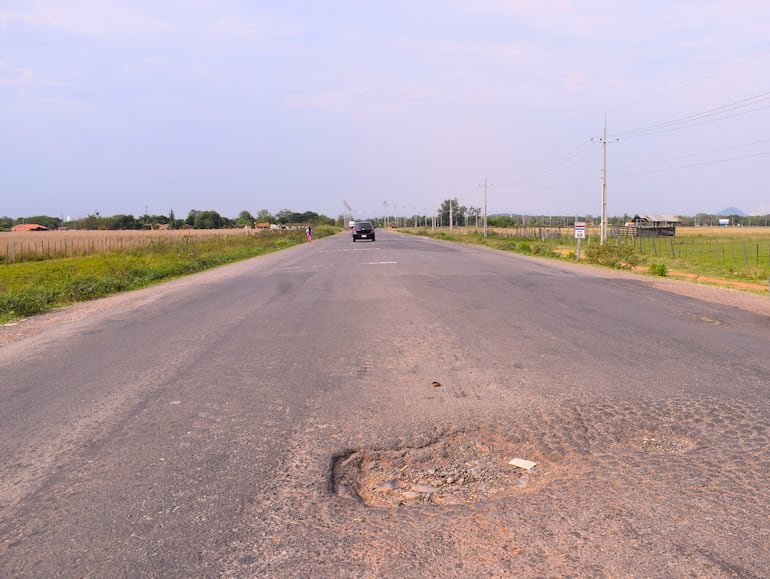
363 230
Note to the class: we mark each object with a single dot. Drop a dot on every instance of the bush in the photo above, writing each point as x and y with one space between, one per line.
613 255
544 249
25 302
658 269
505 245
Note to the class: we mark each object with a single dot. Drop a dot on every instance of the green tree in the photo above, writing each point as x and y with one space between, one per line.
264 216
44 220
93 221
207 220
123 222
191 217
458 212
285 216
500 221
245 219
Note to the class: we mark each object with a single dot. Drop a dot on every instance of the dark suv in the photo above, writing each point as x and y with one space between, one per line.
363 230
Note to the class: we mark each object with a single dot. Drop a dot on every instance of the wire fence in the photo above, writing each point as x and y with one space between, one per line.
736 252
42 245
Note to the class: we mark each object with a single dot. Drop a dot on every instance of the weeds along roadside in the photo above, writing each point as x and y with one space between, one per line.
740 259
33 287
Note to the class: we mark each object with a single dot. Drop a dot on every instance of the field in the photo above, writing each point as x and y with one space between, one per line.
737 257
51 269
39 245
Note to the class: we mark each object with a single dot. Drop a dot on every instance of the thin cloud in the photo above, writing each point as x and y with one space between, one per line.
334 100
363 104
262 27
93 17
14 77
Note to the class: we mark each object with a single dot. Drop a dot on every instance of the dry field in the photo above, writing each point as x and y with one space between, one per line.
37 245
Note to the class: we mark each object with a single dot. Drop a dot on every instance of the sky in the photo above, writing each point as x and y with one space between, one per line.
134 106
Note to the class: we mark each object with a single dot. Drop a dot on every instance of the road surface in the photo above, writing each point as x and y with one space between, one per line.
351 410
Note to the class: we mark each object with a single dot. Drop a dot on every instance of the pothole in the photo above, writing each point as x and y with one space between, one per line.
455 469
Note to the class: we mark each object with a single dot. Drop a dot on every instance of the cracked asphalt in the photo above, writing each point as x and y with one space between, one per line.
278 417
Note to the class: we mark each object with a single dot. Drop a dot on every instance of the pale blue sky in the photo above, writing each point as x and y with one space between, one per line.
118 105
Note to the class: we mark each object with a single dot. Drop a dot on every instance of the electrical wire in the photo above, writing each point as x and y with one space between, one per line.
578 154
708 116
715 162
678 157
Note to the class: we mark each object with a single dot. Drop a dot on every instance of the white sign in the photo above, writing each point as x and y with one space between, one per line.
580 229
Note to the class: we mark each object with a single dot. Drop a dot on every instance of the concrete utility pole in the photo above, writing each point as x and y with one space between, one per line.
604 183
603 141
485 185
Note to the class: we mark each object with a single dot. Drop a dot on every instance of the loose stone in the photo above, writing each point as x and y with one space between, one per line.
424 488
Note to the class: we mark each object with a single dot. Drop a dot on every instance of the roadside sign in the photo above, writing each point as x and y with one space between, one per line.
580 229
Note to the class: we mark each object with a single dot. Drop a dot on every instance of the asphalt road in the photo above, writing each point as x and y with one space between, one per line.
215 426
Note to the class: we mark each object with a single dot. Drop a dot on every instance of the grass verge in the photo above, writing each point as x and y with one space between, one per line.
736 267
34 287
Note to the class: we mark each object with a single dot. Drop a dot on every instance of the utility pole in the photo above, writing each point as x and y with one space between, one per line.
603 141
433 218
485 185
604 182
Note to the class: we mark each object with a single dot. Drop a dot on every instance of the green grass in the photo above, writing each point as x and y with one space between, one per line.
34 287
731 255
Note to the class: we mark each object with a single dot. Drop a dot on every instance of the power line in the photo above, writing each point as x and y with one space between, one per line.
702 117
716 72
691 155
727 111
719 161
583 151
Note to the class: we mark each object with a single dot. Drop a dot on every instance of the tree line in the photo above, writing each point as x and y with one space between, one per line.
196 219
450 209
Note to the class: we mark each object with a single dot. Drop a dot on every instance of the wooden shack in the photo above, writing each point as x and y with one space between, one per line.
650 226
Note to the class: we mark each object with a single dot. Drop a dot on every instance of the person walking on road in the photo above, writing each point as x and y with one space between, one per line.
309 232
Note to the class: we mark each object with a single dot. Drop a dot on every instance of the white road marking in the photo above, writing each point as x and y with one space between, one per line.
379 262
351 249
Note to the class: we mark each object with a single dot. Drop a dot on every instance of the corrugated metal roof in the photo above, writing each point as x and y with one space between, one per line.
29 227
661 217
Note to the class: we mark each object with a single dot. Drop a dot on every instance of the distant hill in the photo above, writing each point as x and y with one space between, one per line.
732 211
